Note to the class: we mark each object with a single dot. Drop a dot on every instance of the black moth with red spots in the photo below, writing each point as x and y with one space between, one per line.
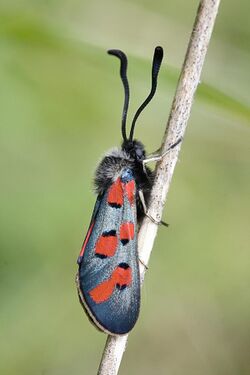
108 279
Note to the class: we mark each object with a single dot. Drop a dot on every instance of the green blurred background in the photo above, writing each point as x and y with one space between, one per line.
60 109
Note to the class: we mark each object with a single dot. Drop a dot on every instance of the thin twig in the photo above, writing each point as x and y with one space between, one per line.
176 126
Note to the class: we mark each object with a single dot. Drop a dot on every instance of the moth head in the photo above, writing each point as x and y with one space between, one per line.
134 146
135 149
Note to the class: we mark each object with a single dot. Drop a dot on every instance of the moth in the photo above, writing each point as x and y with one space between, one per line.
108 279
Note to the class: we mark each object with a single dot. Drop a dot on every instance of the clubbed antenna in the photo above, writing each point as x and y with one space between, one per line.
123 73
157 59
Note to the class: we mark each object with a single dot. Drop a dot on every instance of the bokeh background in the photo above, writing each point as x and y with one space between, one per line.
60 109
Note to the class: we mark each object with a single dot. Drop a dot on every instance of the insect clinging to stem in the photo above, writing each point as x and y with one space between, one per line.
108 279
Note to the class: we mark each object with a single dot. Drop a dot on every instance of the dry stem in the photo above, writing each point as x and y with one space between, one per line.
176 126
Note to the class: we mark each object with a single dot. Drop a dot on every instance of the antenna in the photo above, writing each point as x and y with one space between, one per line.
123 73
157 59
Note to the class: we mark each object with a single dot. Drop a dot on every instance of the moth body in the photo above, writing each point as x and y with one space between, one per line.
108 279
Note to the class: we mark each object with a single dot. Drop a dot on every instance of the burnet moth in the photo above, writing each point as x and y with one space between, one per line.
108 279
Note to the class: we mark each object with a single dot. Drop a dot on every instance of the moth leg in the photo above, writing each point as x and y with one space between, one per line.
144 265
142 199
157 156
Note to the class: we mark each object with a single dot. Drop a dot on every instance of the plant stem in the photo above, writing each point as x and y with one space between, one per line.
175 129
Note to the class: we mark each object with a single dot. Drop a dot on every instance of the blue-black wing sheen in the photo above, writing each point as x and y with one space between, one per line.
108 277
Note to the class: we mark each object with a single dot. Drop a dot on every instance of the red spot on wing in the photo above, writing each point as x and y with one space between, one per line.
106 245
115 194
104 290
130 191
127 231
122 276
86 240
